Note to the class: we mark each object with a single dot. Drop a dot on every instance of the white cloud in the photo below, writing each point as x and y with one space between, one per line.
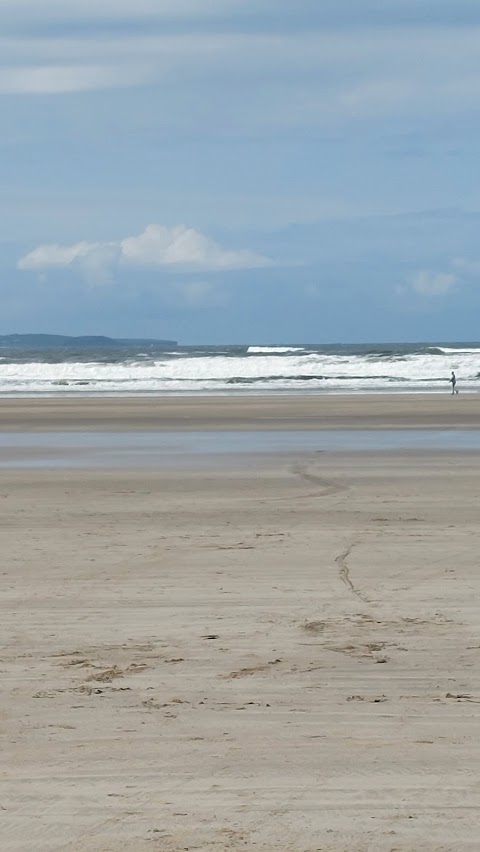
59 79
182 246
97 261
176 248
426 282
49 256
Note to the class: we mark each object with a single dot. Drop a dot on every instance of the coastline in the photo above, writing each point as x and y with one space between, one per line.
242 412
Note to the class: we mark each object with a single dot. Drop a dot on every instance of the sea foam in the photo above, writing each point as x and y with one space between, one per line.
339 369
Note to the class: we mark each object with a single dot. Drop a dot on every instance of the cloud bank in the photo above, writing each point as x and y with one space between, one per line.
310 74
158 246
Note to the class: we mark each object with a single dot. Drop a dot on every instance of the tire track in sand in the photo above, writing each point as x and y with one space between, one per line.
344 571
327 485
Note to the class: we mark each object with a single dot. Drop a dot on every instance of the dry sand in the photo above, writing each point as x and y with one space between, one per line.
277 656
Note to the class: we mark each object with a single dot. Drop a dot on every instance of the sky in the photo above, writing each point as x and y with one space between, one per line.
241 171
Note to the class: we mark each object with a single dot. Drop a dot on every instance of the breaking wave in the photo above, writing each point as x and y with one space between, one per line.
334 369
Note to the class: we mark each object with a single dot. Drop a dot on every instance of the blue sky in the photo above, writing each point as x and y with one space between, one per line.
241 170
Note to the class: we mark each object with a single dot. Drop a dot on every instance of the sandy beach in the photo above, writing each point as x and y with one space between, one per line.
259 412
276 654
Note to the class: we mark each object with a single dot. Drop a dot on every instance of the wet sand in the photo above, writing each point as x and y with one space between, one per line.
282 655
219 413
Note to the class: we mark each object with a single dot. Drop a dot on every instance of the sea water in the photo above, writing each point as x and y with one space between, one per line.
126 370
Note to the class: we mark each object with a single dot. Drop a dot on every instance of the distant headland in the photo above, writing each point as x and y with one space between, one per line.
94 341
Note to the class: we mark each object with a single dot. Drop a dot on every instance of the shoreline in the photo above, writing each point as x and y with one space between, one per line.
239 413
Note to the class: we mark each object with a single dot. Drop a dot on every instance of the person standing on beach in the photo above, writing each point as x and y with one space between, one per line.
453 381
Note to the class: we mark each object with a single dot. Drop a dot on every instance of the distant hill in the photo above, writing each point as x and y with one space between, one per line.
47 341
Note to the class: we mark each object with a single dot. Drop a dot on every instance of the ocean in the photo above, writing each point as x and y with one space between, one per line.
125 370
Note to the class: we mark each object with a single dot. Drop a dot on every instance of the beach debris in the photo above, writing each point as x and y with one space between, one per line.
378 699
314 626
107 675
463 696
251 670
